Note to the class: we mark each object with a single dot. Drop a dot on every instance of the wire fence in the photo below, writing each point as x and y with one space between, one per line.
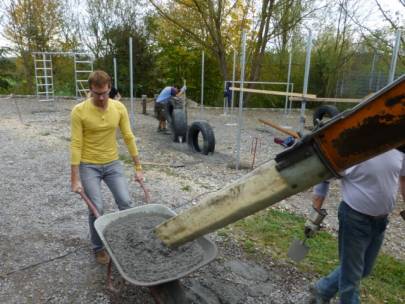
357 85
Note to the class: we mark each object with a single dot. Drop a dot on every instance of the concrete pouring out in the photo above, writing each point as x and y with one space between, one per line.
144 257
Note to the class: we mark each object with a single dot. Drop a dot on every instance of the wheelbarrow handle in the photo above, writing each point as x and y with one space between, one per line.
93 207
146 192
89 204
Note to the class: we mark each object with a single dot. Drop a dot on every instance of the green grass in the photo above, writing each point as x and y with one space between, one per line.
272 231
186 188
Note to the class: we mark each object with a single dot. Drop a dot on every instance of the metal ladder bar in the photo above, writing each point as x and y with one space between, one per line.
36 75
45 68
82 62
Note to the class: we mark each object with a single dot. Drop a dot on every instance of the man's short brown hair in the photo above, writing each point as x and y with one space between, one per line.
99 79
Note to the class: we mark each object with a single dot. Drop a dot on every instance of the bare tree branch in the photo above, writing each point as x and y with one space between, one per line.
393 25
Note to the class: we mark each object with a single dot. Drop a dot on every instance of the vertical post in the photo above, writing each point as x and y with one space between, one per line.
131 85
36 72
184 95
115 73
306 76
45 67
144 101
242 78
202 81
288 76
185 98
342 86
225 98
370 82
233 77
290 105
75 67
393 65
378 84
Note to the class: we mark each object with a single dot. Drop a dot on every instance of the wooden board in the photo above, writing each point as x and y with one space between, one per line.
281 129
279 93
326 99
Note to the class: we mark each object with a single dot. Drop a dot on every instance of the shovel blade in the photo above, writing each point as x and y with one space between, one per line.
298 250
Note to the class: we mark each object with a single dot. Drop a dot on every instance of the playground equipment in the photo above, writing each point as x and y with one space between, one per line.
83 66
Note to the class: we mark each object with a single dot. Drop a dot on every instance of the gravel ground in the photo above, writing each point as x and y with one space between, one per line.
44 248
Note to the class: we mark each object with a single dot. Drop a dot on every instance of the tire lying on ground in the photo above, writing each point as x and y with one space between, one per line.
178 125
208 136
324 111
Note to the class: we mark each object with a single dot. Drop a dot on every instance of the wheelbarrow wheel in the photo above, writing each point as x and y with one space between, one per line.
169 293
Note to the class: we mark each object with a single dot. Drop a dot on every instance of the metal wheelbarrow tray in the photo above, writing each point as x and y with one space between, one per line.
209 249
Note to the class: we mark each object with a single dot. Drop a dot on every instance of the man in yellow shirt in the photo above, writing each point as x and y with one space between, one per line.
94 151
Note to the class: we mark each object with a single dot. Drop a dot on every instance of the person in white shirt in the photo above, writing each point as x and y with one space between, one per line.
369 192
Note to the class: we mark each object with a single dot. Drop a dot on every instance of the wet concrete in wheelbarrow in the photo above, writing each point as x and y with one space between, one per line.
142 256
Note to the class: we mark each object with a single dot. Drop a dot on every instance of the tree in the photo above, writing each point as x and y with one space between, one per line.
33 25
380 38
142 55
101 17
178 58
7 68
217 26
204 22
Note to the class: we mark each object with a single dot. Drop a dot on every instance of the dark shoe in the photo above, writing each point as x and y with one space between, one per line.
315 297
102 257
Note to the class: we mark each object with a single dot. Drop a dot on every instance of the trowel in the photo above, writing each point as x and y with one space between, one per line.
298 250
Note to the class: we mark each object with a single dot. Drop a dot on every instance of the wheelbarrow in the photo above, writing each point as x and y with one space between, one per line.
166 290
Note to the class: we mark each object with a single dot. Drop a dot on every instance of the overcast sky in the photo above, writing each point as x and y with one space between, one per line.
374 19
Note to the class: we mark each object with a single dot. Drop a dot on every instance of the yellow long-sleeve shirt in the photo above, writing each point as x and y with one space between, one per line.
93 133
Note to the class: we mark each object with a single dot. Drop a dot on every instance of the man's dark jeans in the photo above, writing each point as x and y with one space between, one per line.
360 239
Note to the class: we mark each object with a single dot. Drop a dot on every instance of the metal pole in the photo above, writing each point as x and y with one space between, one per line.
202 81
394 57
115 73
264 82
370 82
233 77
131 85
76 84
225 98
378 84
45 76
288 76
242 78
291 90
306 76
185 98
36 74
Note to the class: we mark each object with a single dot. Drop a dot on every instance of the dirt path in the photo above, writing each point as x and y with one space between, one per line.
44 249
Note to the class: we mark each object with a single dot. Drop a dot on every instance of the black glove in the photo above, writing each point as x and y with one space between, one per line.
402 214
313 223
310 229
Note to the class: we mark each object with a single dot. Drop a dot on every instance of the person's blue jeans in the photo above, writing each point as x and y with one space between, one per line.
360 239
113 175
